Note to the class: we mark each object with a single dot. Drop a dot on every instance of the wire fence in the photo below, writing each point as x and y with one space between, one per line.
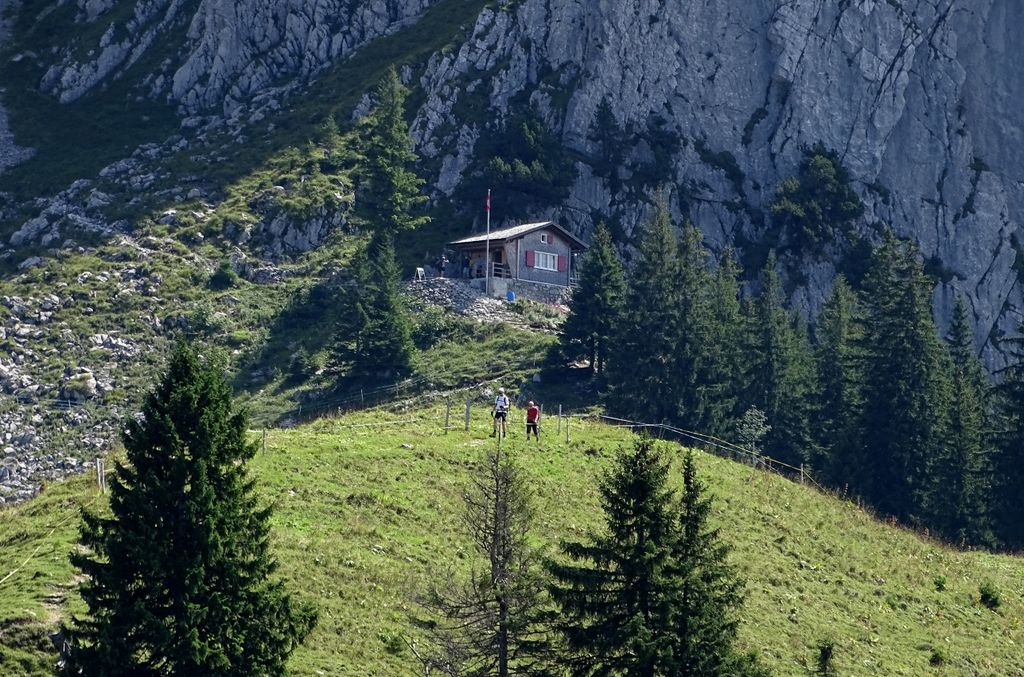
720 447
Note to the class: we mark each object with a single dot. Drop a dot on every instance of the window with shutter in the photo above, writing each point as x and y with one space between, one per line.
529 258
546 261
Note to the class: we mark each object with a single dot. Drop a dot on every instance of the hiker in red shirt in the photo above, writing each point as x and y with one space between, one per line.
532 419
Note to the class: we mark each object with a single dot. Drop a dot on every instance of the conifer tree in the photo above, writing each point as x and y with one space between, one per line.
838 454
906 394
618 592
961 479
781 373
490 622
385 339
595 312
710 591
610 138
691 358
654 594
641 365
388 189
1009 466
725 360
345 346
179 577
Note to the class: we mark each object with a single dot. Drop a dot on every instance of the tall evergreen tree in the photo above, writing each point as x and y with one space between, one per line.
957 504
179 577
1009 465
385 339
617 593
641 364
725 361
489 623
691 358
611 142
904 421
653 595
838 456
597 303
389 190
781 373
710 591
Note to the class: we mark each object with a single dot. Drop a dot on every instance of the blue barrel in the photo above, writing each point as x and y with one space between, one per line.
510 296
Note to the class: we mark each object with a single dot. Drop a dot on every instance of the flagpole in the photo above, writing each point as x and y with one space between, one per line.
487 249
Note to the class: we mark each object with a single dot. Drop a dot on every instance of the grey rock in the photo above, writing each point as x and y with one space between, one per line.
31 262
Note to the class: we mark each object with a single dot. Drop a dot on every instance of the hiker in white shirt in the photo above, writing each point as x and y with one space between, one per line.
501 407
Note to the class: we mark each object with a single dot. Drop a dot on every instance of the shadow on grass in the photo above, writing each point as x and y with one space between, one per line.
306 323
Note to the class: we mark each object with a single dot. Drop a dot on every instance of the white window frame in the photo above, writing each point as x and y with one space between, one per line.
544 238
546 261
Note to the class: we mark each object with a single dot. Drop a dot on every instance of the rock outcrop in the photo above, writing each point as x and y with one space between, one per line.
922 100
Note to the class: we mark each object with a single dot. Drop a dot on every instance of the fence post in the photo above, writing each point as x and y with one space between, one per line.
264 441
361 403
100 479
559 432
467 415
540 418
447 413
567 419
801 473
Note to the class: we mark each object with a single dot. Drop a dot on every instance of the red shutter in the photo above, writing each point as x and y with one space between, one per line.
562 261
529 258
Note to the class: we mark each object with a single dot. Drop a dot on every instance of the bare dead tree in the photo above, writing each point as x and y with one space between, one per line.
489 620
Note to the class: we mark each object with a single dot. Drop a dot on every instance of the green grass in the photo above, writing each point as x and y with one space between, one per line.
365 516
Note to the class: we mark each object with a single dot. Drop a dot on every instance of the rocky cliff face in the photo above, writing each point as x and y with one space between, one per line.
230 51
921 99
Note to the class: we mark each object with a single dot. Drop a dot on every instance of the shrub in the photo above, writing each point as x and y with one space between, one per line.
434 325
826 651
938 657
990 596
940 583
224 277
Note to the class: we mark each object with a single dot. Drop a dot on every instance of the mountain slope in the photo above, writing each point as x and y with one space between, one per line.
921 99
365 517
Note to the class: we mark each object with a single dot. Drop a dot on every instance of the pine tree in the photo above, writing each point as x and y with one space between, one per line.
388 189
690 361
610 138
489 623
654 595
961 479
641 361
838 454
179 577
385 339
710 591
812 206
725 361
906 394
781 373
1009 465
617 595
345 347
597 302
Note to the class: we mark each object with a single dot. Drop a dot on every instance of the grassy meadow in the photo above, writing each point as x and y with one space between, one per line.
366 516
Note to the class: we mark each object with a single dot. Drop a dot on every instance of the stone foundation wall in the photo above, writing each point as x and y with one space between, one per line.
544 293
